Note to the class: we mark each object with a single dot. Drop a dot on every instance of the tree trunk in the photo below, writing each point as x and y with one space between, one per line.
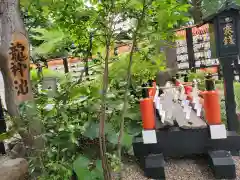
102 140
88 54
10 22
65 64
14 51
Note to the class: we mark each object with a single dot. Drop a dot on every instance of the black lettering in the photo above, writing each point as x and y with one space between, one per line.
18 58
22 87
17 52
17 67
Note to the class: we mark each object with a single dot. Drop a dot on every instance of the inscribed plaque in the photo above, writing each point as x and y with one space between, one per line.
19 67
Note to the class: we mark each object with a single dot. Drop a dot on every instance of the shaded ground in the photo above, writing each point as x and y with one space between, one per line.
181 169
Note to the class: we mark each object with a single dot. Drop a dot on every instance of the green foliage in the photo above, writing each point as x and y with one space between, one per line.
7 135
199 75
88 170
71 126
64 118
143 68
54 42
71 117
237 95
46 73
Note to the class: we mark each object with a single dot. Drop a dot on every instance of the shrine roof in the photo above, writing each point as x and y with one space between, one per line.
225 7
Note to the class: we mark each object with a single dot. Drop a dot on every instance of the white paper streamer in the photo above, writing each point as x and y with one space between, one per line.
188 112
186 106
156 94
199 109
157 103
163 116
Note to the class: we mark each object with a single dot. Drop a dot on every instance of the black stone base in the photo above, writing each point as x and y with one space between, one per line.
180 143
184 143
154 166
222 164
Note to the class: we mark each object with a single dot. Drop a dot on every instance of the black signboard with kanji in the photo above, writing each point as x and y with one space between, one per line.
227 41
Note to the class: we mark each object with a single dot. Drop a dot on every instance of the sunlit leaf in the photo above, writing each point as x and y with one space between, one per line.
80 167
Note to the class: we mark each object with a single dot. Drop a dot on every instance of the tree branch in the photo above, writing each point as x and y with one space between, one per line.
125 105
107 175
102 140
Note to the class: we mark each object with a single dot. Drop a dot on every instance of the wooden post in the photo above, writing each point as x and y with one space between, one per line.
65 64
191 58
230 103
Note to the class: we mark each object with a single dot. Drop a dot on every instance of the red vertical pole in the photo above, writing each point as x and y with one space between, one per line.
147 113
211 103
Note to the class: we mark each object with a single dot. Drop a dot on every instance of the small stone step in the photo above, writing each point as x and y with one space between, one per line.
154 166
222 164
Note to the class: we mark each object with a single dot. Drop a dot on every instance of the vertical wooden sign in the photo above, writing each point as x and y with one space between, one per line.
19 67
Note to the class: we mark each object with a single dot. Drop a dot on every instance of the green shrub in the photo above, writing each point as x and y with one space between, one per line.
46 73
218 81
199 75
237 95
237 99
71 125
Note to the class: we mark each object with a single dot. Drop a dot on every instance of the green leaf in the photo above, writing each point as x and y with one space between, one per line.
79 91
134 128
73 139
127 140
64 116
7 135
111 95
95 91
113 138
133 115
109 128
98 164
92 130
96 175
80 167
81 162
135 4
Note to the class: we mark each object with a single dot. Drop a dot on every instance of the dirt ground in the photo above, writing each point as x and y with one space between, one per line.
179 169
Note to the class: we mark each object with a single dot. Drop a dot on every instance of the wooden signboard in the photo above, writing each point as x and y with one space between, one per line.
195 49
202 47
19 67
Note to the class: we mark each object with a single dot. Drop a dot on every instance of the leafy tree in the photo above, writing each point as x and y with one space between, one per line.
147 14
33 18
74 21
54 43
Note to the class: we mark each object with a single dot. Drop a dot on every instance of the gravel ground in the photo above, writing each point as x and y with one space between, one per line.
181 169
